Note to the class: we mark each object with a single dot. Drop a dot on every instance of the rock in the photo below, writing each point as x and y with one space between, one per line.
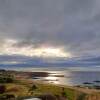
48 97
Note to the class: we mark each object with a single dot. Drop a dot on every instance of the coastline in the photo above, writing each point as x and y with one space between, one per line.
23 82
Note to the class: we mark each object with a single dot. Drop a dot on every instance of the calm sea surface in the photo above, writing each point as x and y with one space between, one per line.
72 77
66 76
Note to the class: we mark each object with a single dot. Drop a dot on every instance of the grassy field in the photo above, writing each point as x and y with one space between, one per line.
21 89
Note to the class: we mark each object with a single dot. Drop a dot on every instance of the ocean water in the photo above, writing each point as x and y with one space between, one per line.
72 76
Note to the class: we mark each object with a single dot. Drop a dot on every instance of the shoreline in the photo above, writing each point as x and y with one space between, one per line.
21 85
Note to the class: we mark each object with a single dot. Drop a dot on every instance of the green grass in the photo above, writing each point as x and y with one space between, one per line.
53 89
20 88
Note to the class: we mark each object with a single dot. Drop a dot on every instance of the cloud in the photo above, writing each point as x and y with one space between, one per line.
71 24
26 61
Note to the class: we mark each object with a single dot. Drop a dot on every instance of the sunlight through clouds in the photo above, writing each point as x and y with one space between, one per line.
53 29
10 49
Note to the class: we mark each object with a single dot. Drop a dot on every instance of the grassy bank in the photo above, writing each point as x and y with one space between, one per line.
21 89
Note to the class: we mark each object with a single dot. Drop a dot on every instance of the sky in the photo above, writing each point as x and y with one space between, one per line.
49 32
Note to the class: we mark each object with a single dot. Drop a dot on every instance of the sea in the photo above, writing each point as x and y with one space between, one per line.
71 76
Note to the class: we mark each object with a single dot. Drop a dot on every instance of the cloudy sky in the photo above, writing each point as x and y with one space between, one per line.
49 32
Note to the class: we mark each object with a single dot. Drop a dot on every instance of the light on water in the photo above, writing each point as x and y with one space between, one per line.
54 80
66 76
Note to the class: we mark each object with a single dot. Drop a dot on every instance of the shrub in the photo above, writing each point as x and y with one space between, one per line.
6 80
2 89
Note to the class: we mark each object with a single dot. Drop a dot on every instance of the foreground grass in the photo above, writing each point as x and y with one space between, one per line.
21 90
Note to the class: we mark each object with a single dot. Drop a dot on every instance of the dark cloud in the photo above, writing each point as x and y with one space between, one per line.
33 18
72 24
25 61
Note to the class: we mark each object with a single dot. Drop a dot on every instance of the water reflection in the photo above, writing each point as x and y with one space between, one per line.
71 77
64 75
52 79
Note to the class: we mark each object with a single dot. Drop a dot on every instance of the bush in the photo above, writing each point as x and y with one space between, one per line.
7 97
6 80
2 89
